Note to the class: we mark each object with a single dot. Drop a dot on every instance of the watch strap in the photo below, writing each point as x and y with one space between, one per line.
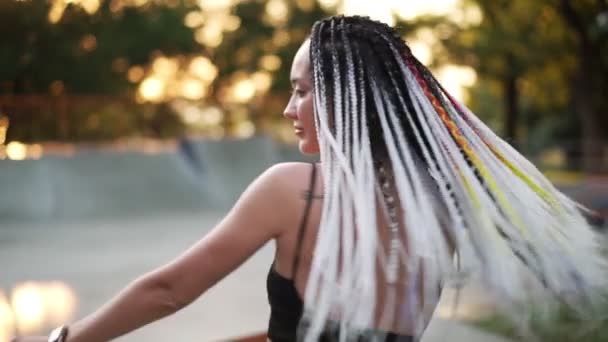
59 334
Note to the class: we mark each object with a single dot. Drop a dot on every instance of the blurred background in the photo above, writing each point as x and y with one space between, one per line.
129 127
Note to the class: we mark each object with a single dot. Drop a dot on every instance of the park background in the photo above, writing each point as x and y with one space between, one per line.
129 127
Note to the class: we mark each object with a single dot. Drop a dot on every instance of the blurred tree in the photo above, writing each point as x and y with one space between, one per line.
83 53
588 24
270 33
528 64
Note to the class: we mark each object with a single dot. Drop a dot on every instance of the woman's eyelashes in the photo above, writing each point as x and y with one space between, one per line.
298 92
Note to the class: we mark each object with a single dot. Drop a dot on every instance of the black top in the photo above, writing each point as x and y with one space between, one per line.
286 306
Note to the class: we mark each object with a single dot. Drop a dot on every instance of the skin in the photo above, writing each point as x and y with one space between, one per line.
300 107
250 224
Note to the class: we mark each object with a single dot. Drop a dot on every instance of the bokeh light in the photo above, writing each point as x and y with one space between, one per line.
244 129
152 89
193 89
243 90
88 43
203 68
34 151
27 301
7 319
135 74
215 5
165 67
16 150
212 116
58 7
59 302
277 12
34 306
194 19
305 5
262 81
456 78
232 23
4 122
270 62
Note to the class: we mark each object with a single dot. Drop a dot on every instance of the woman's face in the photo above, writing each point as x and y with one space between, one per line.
300 107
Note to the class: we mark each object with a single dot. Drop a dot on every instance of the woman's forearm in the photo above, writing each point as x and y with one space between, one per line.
145 300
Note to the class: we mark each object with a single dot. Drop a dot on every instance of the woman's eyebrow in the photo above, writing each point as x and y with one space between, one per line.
303 82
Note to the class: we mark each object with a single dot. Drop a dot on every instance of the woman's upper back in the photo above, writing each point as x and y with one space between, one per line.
295 249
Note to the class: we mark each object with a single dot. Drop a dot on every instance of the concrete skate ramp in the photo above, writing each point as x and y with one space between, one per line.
25 189
199 175
228 166
97 184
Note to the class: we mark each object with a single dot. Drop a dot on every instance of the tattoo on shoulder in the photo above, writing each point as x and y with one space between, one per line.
308 194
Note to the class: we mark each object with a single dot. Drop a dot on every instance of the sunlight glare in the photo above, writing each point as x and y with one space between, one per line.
456 78
28 303
193 89
243 90
152 89
244 129
7 321
212 116
270 62
165 67
59 302
232 23
16 150
211 5
4 122
277 12
203 68
262 81
412 9
194 19
135 74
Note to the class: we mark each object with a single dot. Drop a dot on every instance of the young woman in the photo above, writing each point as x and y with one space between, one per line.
365 239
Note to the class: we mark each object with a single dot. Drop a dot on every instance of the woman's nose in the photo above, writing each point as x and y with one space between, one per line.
290 111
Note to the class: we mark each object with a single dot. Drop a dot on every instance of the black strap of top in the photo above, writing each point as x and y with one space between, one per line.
304 221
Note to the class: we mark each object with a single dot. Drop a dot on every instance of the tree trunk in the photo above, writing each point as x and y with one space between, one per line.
583 103
582 91
511 107
511 110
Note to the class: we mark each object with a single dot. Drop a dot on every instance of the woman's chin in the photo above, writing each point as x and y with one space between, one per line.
307 148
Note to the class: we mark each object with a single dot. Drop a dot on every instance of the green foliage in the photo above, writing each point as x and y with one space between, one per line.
88 53
242 49
532 45
563 325
82 55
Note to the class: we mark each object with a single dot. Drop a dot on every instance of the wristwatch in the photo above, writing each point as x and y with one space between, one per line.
60 334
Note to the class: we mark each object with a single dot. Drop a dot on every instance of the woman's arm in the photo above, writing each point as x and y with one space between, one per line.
259 215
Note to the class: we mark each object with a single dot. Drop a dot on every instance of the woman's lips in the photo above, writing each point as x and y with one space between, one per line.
298 131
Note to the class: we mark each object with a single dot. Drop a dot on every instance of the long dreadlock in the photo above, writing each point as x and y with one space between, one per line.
393 140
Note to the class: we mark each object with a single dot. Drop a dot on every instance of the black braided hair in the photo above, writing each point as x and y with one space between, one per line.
350 51
357 51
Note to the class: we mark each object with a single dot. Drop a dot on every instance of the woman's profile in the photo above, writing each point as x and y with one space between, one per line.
366 238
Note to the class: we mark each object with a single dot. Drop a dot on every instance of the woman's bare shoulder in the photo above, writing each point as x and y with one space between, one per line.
290 170
288 180
288 175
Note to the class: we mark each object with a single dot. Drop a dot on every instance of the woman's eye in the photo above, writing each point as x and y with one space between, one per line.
298 92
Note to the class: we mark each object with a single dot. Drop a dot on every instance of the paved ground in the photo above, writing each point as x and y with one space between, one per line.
442 330
96 259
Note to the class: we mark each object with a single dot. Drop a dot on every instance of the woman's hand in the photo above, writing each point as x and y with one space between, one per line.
30 339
